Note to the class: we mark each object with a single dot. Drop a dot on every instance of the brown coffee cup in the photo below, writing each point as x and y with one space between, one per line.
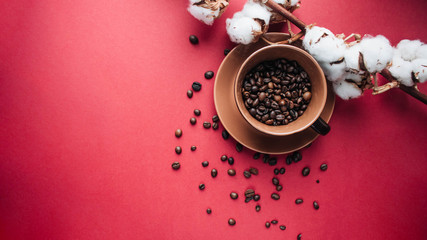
311 117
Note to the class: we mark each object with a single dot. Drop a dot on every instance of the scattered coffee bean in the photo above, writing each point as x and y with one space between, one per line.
265 158
248 199
299 237
239 147
289 159
209 74
274 221
226 51
197 112
282 171
193 148
249 193
205 163
257 208
176 165
231 172
178 150
214 172
267 224
282 227
178 133
276 171
272 161
215 125
231 160
275 181
193 121
256 155
297 156
234 195
324 167
305 171
315 205
279 188
209 211
275 196
247 174
317 181
253 171
225 134
202 186
224 158
189 93
207 125
193 39
257 197
231 222
298 201
215 118
196 86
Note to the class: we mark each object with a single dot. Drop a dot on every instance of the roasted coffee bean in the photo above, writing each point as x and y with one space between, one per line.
215 126
272 161
202 186
305 171
224 158
248 199
315 205
196 86
275 196
206 125
297 156
276 171
197 112
178 133
298 201
307 96
209 74
231 172
257 197
231 222
275 181
239 147
249 193
253 171
215 118
189 93
234 195
267 224
226 51
279 188
282 170
193 121
265 158
176 165
247 174
299 237
231 160
193 148
193 39
257 208
324 167
205 163
214 172
317 181
282 227
178 150
289 159
256 155
274 221
225 134
208 211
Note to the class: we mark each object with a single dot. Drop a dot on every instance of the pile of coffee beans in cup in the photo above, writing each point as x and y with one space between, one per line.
276 92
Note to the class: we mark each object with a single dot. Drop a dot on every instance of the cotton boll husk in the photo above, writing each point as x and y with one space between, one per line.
421 52
347 90
203 14
401 70
256 10
333 72
419 68
377 52
407 49
242 29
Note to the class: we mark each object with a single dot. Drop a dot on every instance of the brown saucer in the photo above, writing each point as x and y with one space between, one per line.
234 122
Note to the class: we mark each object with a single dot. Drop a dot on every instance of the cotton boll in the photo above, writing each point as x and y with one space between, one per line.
377 52
256 10
407 49
242 29
419 68
351 59
203 14
294 2
421 52
347 90
313 35
333 72
401 70
323 45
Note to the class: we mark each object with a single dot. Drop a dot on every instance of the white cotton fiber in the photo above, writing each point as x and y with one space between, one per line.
323 45
242 29
347 90
421 52
353 76
419 68
280 1
313 35
256 10
203 14
401 70
377 52
407 49
333 72
351 59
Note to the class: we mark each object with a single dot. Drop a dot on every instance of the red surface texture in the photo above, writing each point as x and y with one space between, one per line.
91 93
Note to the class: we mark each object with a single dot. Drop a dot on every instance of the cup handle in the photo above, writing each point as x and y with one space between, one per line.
321 127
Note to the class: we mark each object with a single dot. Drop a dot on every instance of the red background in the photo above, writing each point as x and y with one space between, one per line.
91 93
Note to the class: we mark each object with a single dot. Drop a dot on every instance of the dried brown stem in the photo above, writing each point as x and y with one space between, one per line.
409 90
285 13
